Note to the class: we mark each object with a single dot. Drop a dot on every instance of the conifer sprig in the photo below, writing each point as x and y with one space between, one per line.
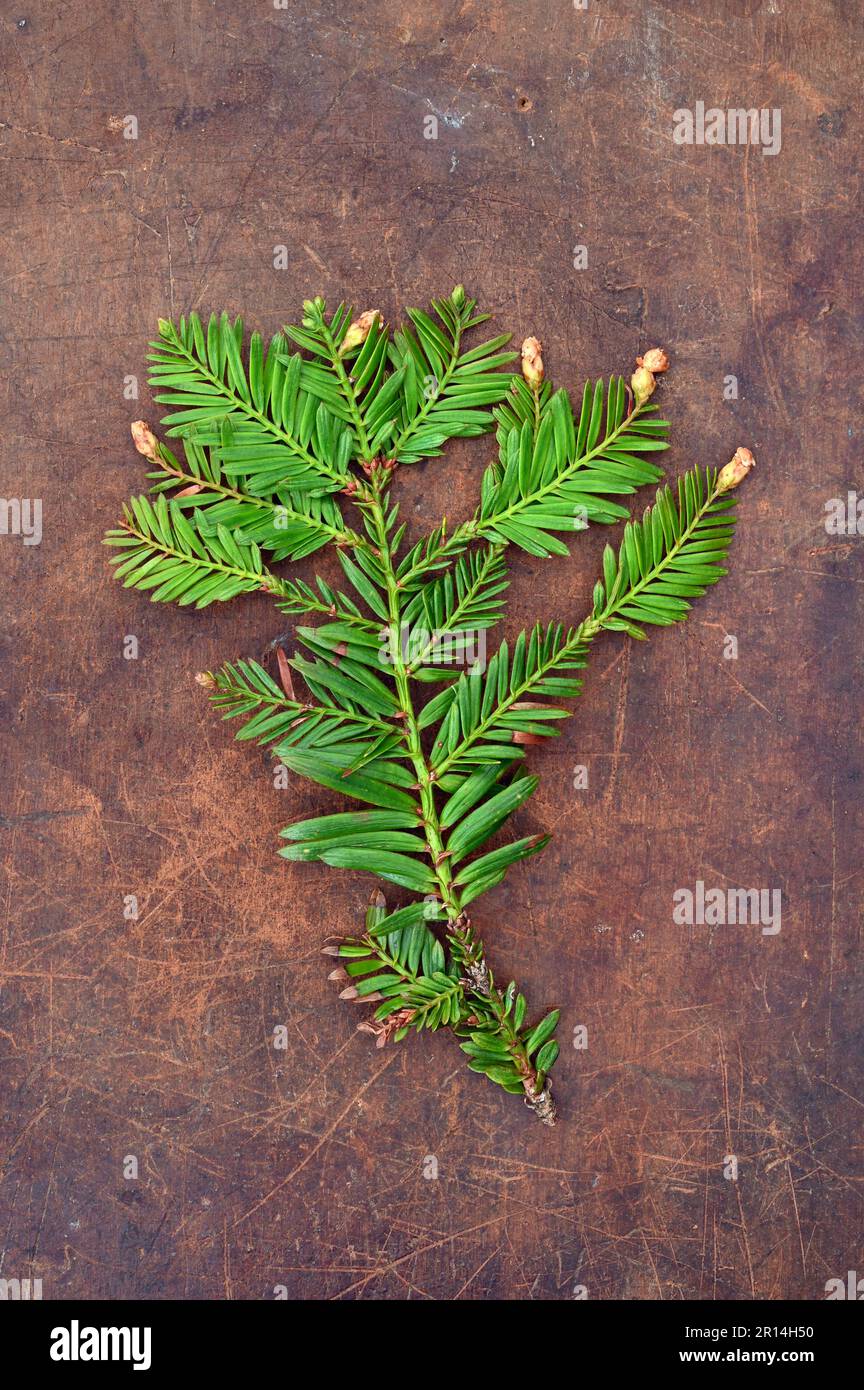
293 447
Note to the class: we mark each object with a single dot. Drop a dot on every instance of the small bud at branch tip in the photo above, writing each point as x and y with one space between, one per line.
735 471
642 384
532 362
358 331
144 439
654 360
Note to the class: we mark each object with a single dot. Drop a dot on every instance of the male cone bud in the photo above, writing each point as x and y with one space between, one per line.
144 439
532 362
735 471
642 384
654 360
358 331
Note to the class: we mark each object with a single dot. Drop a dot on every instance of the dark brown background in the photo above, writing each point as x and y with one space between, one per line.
152 1038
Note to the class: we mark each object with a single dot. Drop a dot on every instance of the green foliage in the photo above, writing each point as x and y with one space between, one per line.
501 1052
245 688
401 962
161 551
559 475
404 397
466 598
287 525
277 440
444 391
668 558
258 419
296 596
486 715
379 781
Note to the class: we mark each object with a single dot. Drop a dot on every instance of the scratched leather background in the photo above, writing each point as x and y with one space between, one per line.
304 1168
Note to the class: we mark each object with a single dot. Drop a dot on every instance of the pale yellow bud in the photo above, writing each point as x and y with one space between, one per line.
532 362
654 360
206 679
642 384
736 470
358 331
144 439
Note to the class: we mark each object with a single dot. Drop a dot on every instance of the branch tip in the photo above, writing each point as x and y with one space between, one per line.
144 439
532 362
736 470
